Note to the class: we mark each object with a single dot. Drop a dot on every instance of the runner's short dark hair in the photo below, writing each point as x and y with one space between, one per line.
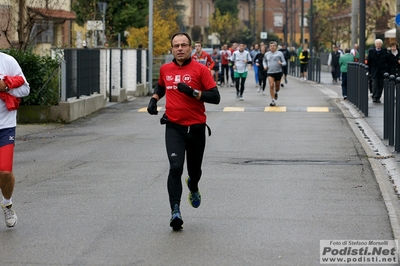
184 34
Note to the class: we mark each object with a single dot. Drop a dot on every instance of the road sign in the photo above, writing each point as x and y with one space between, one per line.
94 25
398 19
263 35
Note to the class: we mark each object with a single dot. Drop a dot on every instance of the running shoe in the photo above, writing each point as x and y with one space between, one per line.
240 98
285 80
276 95
258 90
194 197
282 85
176 219
9 215
272 103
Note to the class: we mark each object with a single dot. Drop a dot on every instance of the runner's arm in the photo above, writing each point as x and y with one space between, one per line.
210 96
212 63
159 92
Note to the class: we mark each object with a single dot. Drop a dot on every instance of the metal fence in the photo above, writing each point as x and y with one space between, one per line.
82 72
358 83
391 111
357 86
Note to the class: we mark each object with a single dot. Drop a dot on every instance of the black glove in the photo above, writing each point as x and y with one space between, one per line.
183 87
152 107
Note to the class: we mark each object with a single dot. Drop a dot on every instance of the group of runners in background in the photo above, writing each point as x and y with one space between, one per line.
270 63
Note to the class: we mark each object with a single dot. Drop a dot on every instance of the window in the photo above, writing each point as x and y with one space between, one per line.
44 31
241 13
278 20
305 20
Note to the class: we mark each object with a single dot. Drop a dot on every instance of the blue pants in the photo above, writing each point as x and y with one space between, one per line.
255 67
344 84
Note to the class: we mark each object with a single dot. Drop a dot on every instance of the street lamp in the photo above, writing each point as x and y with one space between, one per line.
102 8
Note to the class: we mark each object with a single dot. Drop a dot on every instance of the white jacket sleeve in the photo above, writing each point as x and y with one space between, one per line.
329 59
10 67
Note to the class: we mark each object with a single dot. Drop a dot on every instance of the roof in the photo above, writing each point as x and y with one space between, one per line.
54 13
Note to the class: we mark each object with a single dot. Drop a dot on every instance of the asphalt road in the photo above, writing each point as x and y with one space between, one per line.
274 184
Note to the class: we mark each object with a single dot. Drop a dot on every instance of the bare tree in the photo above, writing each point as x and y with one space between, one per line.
21 21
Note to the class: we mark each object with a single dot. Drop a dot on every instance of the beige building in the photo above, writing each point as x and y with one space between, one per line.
50 24
198 14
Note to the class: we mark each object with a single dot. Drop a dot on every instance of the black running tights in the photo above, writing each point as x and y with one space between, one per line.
179 140
239 82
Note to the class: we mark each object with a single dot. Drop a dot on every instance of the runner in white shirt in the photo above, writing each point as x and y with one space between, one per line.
240 59
13 85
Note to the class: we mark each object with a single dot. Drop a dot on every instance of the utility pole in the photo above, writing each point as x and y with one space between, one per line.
254 21
263 16
354 21
310 27
302 22
285 26
291 23
294 21
397 24
150 51
362 31
102 8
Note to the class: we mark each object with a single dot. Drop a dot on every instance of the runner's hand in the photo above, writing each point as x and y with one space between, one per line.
183 87
152 108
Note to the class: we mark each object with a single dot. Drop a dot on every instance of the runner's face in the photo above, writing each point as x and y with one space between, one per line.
197 46
272 47
181 48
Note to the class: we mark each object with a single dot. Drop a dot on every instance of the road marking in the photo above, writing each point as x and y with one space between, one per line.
317 109
234 109
270 109
275 109
144 109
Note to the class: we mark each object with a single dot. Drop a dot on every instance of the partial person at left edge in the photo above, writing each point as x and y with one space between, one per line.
187 85
13 86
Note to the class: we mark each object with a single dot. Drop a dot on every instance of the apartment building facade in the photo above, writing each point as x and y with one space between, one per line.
50 23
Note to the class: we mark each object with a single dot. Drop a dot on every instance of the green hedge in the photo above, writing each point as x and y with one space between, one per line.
42 74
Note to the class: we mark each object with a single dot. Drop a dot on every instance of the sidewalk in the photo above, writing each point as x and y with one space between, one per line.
375 112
